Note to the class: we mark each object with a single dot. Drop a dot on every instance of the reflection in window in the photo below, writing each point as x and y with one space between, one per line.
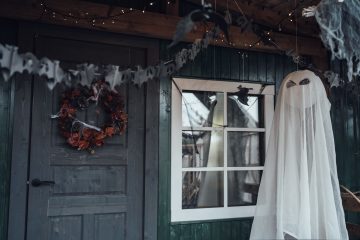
243 116
245 149
202 189
205 149
202 149
243 187
198 109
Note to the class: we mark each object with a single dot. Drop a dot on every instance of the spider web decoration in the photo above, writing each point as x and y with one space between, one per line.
339 22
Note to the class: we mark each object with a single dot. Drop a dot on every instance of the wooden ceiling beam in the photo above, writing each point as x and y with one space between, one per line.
268 17
146 24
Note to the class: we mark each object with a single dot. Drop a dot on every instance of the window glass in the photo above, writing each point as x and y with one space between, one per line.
244 113
202 148
202 109
243 187
245 149
217 171
202 189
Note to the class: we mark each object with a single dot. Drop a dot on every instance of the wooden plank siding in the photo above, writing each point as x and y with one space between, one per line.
234 65
6 88
345 116
222 64
5 156
214 63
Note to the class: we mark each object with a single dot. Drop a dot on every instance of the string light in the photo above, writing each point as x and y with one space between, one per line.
91 19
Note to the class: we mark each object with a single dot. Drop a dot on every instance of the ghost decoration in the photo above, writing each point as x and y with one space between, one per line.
333 78
52 71
139 76
88 73
195 49
170 69
6 55
167 69
206 14
150 73
46 67
16 62
10 61
299 194
30 63
114 76
339 22
181 58
127 76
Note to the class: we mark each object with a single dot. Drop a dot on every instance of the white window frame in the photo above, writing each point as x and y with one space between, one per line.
177 213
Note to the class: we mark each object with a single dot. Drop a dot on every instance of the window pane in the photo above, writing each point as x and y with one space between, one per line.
202 148
243 187
245 149
202 189
244 116
202 109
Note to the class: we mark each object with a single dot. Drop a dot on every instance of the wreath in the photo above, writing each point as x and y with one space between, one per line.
82 135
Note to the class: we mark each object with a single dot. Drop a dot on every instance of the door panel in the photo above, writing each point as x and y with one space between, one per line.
99 196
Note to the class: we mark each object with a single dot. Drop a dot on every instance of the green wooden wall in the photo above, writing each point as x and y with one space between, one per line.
221 64
345 116
10 28
5 149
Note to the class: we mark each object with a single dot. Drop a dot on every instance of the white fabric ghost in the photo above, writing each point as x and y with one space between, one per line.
299 195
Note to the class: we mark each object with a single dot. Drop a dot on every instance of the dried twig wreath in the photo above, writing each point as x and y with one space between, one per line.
84 136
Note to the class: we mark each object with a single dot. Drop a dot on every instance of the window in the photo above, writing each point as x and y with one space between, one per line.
218 148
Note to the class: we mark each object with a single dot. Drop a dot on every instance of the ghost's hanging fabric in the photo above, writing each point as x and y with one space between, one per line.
299 195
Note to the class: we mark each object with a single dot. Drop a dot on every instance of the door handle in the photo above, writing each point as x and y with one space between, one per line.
37 183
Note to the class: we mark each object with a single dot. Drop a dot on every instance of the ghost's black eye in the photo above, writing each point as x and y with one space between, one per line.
290 84
304 81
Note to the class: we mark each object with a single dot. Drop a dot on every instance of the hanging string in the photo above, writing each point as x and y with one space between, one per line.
296 36
239 8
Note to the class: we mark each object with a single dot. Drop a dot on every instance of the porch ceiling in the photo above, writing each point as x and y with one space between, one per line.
162 25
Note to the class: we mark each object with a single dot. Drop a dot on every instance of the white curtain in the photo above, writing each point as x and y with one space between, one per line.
299 195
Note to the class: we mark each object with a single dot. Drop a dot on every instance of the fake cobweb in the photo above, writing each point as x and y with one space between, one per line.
339 22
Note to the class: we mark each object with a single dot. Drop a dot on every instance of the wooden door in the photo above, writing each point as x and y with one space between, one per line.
99 196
